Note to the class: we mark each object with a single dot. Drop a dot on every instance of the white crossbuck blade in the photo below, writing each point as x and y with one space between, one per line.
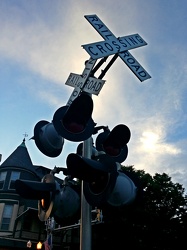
113 46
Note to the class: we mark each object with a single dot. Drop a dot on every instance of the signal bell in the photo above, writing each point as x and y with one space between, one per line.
47 139
74 122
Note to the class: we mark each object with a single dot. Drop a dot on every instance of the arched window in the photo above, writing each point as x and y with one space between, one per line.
7 214
13 177
2 178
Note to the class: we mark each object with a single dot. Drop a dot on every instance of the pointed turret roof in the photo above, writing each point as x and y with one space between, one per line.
19 158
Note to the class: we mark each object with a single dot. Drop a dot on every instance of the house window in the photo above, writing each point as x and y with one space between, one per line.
14 176
7 214
2 179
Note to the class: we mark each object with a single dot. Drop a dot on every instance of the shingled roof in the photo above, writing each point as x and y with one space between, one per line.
19 158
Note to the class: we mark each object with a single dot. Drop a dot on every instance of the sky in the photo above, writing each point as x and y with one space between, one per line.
41 44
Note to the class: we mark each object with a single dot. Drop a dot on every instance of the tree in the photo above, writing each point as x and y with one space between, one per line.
156 220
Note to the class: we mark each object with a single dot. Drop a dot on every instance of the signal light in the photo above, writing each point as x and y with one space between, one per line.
74 122
47 140
60 201
34 190
124 192
113 143
103 183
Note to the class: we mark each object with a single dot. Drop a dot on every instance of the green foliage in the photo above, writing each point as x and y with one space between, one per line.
156 220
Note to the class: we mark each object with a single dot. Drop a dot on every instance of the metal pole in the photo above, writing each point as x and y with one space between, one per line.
85 223
108 66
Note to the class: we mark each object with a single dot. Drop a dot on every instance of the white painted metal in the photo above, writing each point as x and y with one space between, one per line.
129 60
113 46
92 86
85 75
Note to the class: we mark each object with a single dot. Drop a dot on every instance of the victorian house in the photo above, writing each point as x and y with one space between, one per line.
20 227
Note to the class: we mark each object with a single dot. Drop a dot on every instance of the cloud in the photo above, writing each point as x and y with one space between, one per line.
152 143
43 49
44 39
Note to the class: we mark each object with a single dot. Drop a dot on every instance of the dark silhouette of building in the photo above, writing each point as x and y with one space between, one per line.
19 220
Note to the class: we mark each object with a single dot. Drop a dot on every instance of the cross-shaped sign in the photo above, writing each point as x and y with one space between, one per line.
113 45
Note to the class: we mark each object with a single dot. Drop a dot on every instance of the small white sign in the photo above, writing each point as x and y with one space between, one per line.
75 80
92 86
85 75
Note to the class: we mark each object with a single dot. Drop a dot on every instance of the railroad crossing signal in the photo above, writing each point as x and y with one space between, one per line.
74 122
62 201
111 43
103 182
113 142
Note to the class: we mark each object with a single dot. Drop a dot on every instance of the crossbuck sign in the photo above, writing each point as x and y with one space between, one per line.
113 45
